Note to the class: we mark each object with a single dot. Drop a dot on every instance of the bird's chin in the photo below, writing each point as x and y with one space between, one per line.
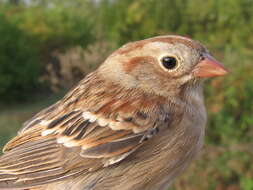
195 82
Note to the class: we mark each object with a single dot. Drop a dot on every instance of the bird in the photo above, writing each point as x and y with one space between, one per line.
135 123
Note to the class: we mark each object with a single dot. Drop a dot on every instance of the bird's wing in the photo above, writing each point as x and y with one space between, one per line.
75 140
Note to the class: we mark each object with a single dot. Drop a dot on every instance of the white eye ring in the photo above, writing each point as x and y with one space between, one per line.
169 63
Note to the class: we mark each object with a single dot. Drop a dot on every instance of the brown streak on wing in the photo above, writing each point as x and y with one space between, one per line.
19 140
113 148
103 138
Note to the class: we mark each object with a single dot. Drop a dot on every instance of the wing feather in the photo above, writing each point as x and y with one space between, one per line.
88 130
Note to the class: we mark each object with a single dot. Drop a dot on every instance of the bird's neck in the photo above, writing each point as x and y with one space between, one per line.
193 93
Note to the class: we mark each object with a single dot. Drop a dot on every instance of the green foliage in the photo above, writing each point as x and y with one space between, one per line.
247 184
230 110
219 23
55 28
29 37
19 67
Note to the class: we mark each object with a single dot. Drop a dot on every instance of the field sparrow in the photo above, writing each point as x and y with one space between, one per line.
133 124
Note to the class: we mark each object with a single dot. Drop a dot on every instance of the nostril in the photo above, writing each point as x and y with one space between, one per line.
202 57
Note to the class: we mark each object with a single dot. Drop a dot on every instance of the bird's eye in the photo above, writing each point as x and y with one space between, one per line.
169 62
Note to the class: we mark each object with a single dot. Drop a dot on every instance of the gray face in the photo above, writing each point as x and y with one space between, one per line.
184 58
147 65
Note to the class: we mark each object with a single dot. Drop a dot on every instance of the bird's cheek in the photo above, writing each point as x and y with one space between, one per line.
209 67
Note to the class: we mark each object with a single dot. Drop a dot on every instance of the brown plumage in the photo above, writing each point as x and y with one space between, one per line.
133 124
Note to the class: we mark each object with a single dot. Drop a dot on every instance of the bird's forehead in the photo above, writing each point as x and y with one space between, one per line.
157 49
161 47
173 39
157 46
160 43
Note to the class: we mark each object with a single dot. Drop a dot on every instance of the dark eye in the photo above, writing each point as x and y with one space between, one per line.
169 62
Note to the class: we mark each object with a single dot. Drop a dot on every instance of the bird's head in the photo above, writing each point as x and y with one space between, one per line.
161 65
